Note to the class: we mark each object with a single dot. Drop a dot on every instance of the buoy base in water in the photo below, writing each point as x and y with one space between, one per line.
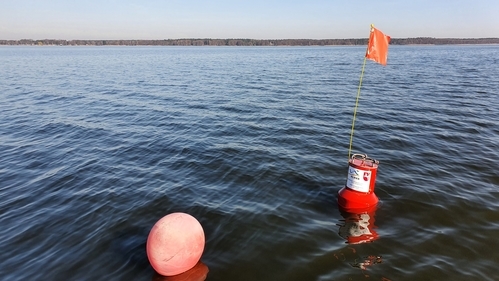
351 199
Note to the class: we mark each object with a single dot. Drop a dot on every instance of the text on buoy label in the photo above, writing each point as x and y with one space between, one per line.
358 180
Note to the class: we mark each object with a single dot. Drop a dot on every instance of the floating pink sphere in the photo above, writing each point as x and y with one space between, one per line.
175 244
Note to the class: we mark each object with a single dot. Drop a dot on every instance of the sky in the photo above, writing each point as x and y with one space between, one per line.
254 19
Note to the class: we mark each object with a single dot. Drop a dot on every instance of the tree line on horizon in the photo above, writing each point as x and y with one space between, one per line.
251 42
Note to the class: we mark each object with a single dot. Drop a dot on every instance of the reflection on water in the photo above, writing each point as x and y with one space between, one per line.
198 273
368 261
357 225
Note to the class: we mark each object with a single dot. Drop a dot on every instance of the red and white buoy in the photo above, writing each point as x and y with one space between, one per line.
358 192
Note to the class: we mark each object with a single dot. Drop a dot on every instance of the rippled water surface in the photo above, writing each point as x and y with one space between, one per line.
99 143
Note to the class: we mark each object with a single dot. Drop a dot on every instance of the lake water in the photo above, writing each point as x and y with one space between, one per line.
99 143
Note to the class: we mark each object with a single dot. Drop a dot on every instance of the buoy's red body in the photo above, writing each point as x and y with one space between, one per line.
358 192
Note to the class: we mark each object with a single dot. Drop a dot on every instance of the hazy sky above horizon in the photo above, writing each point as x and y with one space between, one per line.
256 19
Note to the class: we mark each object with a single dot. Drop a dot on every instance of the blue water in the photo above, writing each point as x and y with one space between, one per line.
99 143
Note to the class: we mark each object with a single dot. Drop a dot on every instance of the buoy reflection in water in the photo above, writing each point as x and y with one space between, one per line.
358 225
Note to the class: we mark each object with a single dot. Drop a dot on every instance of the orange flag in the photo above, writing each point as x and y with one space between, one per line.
377 48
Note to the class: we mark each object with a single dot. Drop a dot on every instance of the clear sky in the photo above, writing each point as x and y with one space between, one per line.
255 19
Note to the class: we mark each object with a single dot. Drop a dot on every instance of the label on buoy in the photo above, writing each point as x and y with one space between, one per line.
358 180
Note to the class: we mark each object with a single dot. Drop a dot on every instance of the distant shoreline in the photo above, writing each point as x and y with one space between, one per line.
249 42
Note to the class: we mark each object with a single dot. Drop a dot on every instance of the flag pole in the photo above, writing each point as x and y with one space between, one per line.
357 101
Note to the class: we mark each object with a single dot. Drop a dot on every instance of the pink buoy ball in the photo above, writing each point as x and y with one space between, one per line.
175 244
